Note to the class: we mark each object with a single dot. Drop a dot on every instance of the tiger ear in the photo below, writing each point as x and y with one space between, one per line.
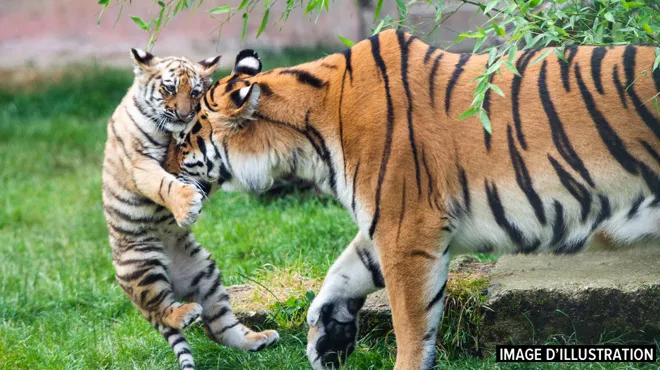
210 65
247 62
246 101
142 60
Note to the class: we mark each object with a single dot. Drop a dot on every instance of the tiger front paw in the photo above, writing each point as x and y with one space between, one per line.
187 204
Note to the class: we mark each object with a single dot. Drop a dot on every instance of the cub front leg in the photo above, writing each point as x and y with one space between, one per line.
183 200
333 315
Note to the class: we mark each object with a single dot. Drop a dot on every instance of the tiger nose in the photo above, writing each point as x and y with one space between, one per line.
184 115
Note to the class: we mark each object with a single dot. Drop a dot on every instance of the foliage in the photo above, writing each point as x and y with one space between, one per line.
511 25
292 312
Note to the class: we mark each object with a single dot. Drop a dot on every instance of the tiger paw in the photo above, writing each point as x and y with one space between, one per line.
256 341
184 315
333 329
187 204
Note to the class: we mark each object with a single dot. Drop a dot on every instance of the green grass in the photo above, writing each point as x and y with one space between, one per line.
59 305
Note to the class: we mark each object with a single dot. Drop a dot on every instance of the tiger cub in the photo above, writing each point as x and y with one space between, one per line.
574 151
158 263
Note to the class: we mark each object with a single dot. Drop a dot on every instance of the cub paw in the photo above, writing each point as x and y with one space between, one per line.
187 205
183 316
256 341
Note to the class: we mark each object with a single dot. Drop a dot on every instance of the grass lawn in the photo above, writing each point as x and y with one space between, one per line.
60 307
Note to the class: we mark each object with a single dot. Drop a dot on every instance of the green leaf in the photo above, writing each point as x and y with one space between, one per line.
656 62
469 113
499 30
346 41
245 20
560 30
104 2
655 104
542 56
497 90
243 4
401 7
485 120
140 22
647 28
511 67
377 11
220 9
264 22
379 27
492 4
609 17
512 53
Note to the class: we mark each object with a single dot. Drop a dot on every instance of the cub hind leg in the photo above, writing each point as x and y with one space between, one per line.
142 270
199 278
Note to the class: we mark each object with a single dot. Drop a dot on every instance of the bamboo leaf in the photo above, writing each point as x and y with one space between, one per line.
140 22
245 20
264 22
379 5
220 9
485 120
346 41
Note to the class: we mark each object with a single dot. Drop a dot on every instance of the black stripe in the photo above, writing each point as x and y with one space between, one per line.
153 278
373 267
486 107
521 65
523 178
197 278
148 248
305 77
429 52
146 135
437 297
142 262
158 299
322 150
462 178
403 48
121 230
635 206
187 366
650 150
140 108
339 115
577 190
429 177
422 253
565 67
119 139
629 68
402 212
604 213
181 339
454 78
612 141
375 50
223 311
347 55
224 329
559 225
357 167
500 218
133 275
570 248
597 56
169 333
135 219
619 86
652 181
434 70
559 136
656 79
213 290
182 352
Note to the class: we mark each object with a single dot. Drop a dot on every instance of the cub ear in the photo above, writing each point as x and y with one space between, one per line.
142 60
210 65
247 62
246 101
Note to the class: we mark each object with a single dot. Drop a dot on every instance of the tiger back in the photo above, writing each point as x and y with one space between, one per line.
573 153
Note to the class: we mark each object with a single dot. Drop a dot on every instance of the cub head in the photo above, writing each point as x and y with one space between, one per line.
233 144
168 90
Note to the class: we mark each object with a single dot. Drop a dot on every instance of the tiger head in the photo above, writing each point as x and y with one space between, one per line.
168 90
231 144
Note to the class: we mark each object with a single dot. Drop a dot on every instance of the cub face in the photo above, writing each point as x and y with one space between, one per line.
169 89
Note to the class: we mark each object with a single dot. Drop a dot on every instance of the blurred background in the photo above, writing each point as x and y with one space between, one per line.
50 34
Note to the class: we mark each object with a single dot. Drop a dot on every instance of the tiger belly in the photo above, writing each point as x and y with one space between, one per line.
501 219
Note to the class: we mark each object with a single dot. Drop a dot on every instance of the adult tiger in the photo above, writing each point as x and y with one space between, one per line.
574 151
157 262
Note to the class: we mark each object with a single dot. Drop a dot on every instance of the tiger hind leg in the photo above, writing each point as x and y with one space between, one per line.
333 315
199 278
179 344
